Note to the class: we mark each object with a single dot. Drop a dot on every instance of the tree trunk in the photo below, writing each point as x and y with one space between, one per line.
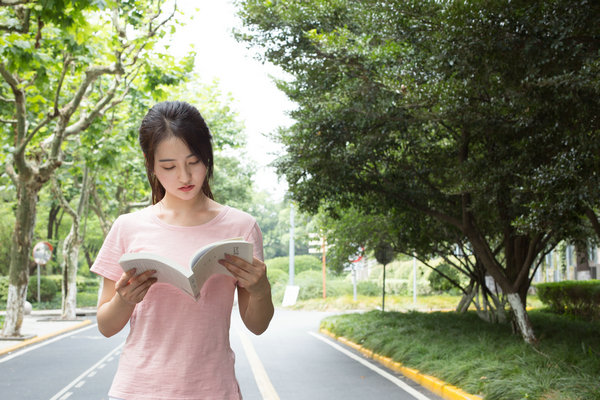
513 278
521 318
70 254
71 246
19 260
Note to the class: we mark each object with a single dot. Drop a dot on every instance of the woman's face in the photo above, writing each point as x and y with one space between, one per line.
181 173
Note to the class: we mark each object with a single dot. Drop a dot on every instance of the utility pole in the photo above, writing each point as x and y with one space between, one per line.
291 291
292 246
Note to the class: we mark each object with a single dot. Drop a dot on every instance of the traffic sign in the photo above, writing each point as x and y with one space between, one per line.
42 252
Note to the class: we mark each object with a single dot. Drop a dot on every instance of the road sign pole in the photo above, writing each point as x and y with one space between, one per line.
414 280
324 268
38 284
383 291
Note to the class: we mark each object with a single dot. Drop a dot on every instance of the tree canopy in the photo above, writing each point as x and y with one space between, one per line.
446 112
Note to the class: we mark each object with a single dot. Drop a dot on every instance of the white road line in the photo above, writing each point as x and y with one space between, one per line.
86 373
416 394
45 342
260 374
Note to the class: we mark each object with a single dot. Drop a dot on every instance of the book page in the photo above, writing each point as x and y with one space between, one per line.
207 262
199 253
167 271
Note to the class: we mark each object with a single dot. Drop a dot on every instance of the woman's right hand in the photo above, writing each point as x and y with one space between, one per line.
132 288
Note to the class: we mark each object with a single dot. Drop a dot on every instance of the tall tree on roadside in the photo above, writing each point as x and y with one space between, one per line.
63 66
442 110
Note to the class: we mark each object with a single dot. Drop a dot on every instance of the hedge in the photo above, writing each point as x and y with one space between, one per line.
580 298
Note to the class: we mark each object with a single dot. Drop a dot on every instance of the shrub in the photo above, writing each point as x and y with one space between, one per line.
87 299
368 288
87 285
439 283
48 289
301 263
3 290
277 276
580 298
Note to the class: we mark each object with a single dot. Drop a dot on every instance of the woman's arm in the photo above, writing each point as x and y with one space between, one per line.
254 292
118 299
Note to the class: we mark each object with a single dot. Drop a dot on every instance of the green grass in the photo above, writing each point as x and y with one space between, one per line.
482 358
443 302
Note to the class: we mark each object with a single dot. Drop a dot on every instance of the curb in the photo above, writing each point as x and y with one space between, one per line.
38 339
432 383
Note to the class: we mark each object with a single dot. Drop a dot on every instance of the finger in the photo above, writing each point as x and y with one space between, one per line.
140 291
124 279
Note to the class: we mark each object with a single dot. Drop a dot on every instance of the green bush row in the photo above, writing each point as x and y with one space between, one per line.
580 298
50 288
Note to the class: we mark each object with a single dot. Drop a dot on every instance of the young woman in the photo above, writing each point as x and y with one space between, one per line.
178 348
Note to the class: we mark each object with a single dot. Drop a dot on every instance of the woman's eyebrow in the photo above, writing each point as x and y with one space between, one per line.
172 159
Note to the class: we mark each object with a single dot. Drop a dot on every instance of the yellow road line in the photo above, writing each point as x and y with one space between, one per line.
432 383
260 374
38 339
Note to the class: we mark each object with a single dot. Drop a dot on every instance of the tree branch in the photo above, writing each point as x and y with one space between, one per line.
591 215
86 120
58 194
66 62
21 125
22 13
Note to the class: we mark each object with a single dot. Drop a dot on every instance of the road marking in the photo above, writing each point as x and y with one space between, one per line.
45 342
398 382
260 374
58 395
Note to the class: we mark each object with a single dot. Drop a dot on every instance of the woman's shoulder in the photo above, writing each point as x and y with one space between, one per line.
134 217
236 213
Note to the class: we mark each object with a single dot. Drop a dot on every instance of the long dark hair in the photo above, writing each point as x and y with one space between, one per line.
183 121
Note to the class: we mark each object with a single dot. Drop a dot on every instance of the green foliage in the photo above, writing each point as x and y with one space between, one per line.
301 263
438 282
579 298
48 289
3 289
311 285
435 121
87 299
6 232
85 284
484 359
277 276
368 288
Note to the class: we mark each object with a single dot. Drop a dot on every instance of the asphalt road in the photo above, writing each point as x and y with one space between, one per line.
291 361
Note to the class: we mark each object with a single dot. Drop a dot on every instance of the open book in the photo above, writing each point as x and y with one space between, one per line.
202 265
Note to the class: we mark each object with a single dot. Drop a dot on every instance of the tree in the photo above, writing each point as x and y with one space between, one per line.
62 69
436 110
73 241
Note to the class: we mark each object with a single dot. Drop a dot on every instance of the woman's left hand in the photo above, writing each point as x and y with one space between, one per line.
252 277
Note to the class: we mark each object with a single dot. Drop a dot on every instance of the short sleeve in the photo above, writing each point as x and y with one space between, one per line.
255 237
107 260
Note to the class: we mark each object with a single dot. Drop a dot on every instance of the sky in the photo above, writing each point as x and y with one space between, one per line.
261 106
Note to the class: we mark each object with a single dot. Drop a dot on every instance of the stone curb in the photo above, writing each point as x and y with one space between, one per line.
432 383
38 339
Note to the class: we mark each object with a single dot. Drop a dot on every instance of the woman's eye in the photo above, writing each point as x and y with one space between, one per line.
194 162
168 168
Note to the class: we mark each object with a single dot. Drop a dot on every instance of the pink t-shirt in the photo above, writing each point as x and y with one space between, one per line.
177 348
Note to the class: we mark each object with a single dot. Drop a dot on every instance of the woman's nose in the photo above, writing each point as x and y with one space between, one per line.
184 174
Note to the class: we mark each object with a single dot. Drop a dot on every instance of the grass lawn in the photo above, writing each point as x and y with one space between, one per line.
482 358
443 302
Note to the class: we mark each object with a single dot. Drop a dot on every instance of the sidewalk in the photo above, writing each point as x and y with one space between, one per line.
42 325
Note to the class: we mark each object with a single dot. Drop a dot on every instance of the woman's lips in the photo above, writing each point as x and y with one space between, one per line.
186 188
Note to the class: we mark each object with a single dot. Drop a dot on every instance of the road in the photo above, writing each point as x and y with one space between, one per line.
291 361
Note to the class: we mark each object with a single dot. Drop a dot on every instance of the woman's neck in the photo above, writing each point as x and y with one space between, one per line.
175 211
